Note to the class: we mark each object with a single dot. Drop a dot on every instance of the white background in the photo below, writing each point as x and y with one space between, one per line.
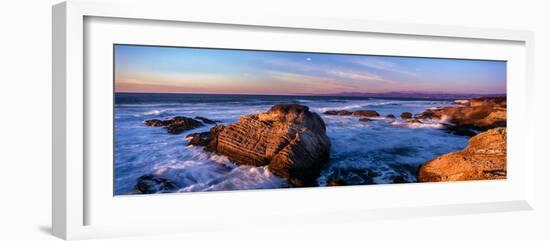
25 120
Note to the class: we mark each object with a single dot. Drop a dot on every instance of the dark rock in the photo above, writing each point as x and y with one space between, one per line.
199 139
351 176
364 119
337 112
154 122
288 138
366 113
390 116
336 182
175 125
399 179
459 130
406 115
413 121
206 120
149 184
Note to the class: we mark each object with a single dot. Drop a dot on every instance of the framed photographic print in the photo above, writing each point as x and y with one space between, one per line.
214 118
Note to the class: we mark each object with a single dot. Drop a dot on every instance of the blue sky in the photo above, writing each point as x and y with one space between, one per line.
196 70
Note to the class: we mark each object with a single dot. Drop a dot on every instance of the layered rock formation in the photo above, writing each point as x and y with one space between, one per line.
288 138
483 158
478 114
175 125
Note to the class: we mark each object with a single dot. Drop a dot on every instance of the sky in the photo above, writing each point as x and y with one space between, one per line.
151 69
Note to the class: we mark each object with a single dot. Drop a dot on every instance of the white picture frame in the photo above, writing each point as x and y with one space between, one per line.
71 109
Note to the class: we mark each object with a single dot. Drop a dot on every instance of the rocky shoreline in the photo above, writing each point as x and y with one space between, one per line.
292 142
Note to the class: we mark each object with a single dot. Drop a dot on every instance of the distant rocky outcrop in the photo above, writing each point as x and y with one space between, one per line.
479 114
365 119
365 113
483 158
337 112
288 138
175 125
406 115
414 121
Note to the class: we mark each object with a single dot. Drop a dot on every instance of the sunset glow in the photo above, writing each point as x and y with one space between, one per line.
219 71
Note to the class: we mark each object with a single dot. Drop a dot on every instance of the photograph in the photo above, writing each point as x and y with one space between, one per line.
193 119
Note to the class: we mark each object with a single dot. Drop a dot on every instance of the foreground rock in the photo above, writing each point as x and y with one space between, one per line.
288 138
149 184
365 113
175 125
483 158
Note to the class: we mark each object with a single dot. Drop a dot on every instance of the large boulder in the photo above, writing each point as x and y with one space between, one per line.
175 125
288 138
483 158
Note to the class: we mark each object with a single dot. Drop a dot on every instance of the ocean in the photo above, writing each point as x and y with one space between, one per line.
375 152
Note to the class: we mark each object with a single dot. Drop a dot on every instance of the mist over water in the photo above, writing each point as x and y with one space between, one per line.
371 152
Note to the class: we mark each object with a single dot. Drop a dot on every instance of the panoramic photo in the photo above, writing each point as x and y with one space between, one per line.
204 119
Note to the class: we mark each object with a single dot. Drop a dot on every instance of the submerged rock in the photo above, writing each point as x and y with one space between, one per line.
206 120
175 125
365 119
337 112
406 115
483 158
390 116
366 113
148 184
199 139
288 138
414 121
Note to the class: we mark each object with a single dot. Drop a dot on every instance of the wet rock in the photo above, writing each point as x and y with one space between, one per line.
406 115
199 139
154 122
288 138
390 116
399 179
366 113
206 120
365 119
414 121
175 125
149 184
483 158
337 112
